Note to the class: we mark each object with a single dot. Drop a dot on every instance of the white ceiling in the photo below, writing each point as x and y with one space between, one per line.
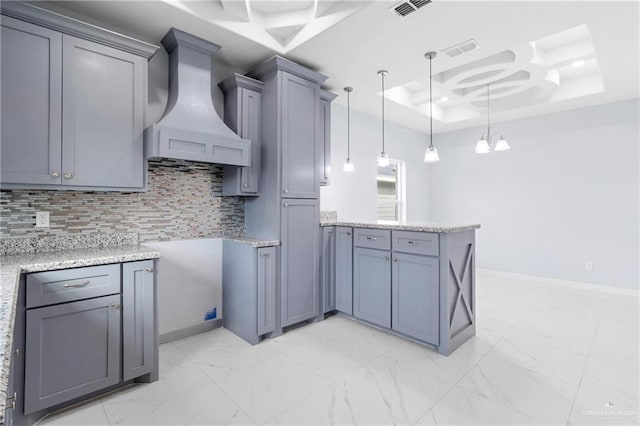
351 40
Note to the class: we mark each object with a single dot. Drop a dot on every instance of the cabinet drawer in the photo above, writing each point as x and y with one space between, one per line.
426 243
372 238
66 285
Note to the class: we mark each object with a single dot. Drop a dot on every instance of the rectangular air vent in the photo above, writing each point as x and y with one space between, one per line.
407 7
460 48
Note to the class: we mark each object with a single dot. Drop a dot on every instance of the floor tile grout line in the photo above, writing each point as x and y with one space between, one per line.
584 369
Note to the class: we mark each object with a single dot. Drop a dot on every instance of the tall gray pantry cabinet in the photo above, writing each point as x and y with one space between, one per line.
288 208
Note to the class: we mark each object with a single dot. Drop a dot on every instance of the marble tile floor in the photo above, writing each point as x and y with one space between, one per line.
543 354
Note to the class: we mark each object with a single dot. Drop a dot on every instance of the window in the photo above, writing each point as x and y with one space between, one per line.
391 193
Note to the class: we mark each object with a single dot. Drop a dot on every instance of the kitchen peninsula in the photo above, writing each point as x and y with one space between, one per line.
411 279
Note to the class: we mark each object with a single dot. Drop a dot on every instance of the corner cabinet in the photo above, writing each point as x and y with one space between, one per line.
85 101
249 289
242 113
324 136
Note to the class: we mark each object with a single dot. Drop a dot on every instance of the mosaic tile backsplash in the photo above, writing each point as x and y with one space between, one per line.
184 200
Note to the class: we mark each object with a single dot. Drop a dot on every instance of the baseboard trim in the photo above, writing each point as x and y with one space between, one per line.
190 331
564 283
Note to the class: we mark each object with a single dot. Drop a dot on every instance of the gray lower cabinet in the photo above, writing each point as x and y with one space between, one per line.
85 103
328 269
72 349
243 115
299 263
138 319
372 286
415 296
249 289
344 269
31 87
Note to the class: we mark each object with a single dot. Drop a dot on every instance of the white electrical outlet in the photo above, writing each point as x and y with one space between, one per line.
42 219
588 265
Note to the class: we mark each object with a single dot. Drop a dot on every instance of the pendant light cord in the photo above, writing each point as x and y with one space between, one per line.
382 75
488 117
430 103
348 125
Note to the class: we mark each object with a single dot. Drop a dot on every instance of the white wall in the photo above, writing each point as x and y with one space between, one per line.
565 193
353 195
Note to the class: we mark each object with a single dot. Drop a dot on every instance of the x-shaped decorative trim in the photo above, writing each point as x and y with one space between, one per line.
458 281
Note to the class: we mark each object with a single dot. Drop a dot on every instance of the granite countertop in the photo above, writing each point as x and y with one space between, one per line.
405 226
12 266
255 242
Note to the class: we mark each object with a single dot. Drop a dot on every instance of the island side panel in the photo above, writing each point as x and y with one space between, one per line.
457 290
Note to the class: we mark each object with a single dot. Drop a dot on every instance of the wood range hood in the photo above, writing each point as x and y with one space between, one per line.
190 128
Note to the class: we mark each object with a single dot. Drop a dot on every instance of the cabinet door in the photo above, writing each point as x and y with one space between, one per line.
31 103
103 105
372 286
325 141
300 153
300 261
266 290
328 270
251 123
138 318
415 296
344 270
72 349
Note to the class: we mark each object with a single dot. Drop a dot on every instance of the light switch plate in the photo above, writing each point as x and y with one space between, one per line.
42 219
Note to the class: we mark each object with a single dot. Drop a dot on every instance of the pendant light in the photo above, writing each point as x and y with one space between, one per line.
484 144
348 164
431 153
383 158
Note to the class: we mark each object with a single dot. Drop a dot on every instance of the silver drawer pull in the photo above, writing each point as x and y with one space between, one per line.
412 242
115 305
80 284
371 238
148 269
264 254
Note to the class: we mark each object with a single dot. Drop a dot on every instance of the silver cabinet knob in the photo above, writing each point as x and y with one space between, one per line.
245 185
148 269
68 175
115 305
395 259
349 233
285 191
286 204
55 174
386 258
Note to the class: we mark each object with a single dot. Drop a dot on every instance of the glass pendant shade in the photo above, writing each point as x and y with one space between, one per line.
348 165
383 160
502 145
431 155
482 147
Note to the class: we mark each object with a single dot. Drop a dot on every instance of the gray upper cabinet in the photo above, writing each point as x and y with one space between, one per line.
31 88
299 274
372 286
415 296
138 322
72 349
102 118
243 115
85 97
324 137
300 152
328 268
344 270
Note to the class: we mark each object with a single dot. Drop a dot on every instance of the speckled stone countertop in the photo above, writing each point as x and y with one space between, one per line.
420 227
12 266
255 242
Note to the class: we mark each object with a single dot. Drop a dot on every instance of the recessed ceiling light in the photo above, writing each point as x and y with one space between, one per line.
578 63
444 99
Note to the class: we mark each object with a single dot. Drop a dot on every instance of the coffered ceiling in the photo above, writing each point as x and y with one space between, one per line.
537 57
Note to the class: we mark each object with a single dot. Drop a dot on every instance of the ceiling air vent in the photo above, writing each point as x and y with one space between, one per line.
459 49
407 7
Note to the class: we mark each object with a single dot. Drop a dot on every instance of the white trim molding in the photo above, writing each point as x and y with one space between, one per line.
564 283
